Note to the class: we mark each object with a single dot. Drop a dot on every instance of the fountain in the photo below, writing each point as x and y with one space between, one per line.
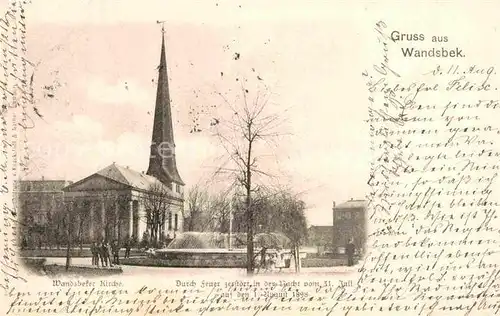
212 249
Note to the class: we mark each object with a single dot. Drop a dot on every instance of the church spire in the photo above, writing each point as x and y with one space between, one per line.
162 164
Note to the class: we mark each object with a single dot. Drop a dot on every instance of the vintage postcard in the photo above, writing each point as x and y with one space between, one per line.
249 158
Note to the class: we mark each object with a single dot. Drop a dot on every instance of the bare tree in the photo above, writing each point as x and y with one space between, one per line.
69 226
207 211
294 224
242 137
80 217
278 211
122 206
221 209
80 220
59 229
197 206
157 210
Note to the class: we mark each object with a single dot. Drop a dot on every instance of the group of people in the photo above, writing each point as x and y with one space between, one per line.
103 252
270 261
266 260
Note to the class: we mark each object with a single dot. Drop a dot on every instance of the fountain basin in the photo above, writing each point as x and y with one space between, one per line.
202 258
208 250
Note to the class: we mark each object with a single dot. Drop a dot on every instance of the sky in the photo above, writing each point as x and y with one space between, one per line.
101 61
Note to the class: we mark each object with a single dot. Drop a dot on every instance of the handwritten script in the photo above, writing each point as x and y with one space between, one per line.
434 236
16 96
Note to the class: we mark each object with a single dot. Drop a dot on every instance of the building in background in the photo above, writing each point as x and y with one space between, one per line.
320 237
349 221
41 213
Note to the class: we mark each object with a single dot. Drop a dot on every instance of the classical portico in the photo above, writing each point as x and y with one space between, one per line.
111 204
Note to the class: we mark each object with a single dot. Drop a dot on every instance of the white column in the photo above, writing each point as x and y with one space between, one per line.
103 214
117 219
141 225
131 218
91 220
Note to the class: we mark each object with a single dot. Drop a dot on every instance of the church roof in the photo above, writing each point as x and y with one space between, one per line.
352 204
124 176
130 177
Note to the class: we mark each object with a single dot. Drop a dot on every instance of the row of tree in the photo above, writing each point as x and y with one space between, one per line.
274 211
47 219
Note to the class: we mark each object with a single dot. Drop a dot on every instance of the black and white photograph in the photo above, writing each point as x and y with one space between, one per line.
249 157
175 145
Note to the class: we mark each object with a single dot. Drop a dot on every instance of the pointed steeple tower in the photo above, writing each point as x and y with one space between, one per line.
162 164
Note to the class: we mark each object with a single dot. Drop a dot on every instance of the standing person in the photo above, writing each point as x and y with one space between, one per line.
271 264
280 264
116 252
350 249
127 247
104 254
109 253
95 254
262 254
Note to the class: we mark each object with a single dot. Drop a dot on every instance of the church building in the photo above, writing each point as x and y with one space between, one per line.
117 202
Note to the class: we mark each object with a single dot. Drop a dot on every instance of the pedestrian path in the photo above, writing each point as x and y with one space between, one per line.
79 261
